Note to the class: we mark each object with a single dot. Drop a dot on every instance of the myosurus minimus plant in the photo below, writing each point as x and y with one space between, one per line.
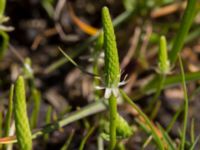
111 131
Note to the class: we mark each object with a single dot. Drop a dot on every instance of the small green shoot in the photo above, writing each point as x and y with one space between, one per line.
163 69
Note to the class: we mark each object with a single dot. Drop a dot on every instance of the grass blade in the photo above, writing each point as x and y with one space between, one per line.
185 105
185 25
91 130
9 112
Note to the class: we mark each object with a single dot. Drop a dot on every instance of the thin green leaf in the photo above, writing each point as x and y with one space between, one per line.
9 112
185 25
185 105
89 133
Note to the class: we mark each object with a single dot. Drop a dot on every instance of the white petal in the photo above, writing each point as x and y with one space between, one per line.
99 87
108 93
115 92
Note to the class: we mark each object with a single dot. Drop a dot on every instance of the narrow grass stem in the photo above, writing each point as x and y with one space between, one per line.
185 105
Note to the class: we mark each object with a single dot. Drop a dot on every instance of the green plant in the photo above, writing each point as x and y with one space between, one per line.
23 131
112 72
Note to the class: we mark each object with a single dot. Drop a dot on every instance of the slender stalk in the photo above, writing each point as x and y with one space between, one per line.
185 105
113 119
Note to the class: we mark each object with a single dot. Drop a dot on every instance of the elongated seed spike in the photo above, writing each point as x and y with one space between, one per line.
164 65
23 132
112 70
2 7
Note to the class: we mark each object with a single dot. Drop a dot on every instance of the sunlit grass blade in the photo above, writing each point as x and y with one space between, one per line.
23 131
185 25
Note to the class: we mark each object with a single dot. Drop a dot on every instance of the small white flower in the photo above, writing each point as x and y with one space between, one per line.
112 90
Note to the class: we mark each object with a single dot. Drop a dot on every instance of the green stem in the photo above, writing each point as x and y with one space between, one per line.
185 105
113 117
158 91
